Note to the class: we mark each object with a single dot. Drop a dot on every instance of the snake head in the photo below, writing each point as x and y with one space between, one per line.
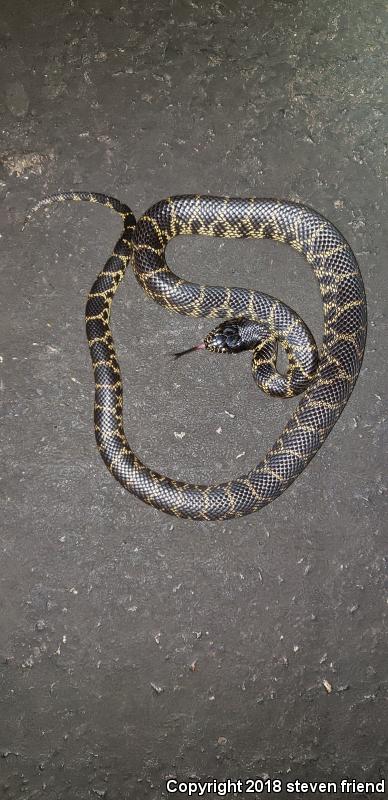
231 336
228 337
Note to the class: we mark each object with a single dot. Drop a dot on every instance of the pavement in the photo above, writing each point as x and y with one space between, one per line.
134 646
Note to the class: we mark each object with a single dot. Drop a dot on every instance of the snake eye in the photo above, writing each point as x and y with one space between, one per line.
232 341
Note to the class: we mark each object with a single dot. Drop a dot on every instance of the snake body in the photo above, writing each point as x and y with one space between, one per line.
328 382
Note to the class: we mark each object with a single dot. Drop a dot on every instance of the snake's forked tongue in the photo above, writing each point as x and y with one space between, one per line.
200 346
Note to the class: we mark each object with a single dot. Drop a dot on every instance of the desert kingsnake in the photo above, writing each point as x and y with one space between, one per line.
329 382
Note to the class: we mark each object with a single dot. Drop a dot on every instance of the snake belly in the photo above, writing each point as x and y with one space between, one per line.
345 321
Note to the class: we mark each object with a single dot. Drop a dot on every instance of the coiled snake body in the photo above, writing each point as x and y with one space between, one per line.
328 382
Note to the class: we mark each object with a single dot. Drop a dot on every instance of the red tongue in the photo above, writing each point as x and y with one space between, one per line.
200 346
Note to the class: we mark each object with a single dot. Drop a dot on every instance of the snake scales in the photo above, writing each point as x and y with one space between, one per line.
328 382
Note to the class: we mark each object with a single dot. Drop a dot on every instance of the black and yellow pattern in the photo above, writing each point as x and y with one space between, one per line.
328 381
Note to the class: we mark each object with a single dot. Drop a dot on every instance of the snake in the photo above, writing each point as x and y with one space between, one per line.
252 321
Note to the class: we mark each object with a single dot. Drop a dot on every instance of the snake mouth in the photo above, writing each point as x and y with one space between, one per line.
216 348
200 346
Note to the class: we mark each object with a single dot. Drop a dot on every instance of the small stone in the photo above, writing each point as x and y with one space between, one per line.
343 688
157 689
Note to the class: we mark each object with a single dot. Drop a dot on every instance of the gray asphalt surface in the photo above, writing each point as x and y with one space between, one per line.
134 646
